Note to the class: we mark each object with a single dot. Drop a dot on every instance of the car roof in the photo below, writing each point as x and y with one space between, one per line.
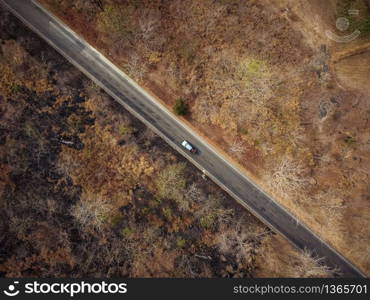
187 145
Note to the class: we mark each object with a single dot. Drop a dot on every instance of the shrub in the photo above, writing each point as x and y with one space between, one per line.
123 130
207 221
349 140
180 243
181 108
167 212
171 181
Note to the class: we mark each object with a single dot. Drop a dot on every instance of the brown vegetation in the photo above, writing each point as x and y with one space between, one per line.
84 187
278 260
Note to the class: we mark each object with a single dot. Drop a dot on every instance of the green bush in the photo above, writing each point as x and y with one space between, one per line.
115 19
171 182
128 232
16 88
364 27
250 68
181 108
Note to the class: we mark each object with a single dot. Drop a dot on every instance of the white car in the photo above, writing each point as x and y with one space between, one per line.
188 146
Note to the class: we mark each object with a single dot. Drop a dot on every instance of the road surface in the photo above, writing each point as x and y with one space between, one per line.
165 124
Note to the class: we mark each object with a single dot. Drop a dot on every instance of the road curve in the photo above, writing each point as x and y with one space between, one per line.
173 131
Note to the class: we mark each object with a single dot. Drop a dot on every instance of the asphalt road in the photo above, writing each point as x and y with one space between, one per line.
157 117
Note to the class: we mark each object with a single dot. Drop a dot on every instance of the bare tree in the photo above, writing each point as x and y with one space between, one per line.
237 147
135 68
171 184
311 265
91 212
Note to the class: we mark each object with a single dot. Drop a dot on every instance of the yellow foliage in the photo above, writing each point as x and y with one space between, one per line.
154 57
